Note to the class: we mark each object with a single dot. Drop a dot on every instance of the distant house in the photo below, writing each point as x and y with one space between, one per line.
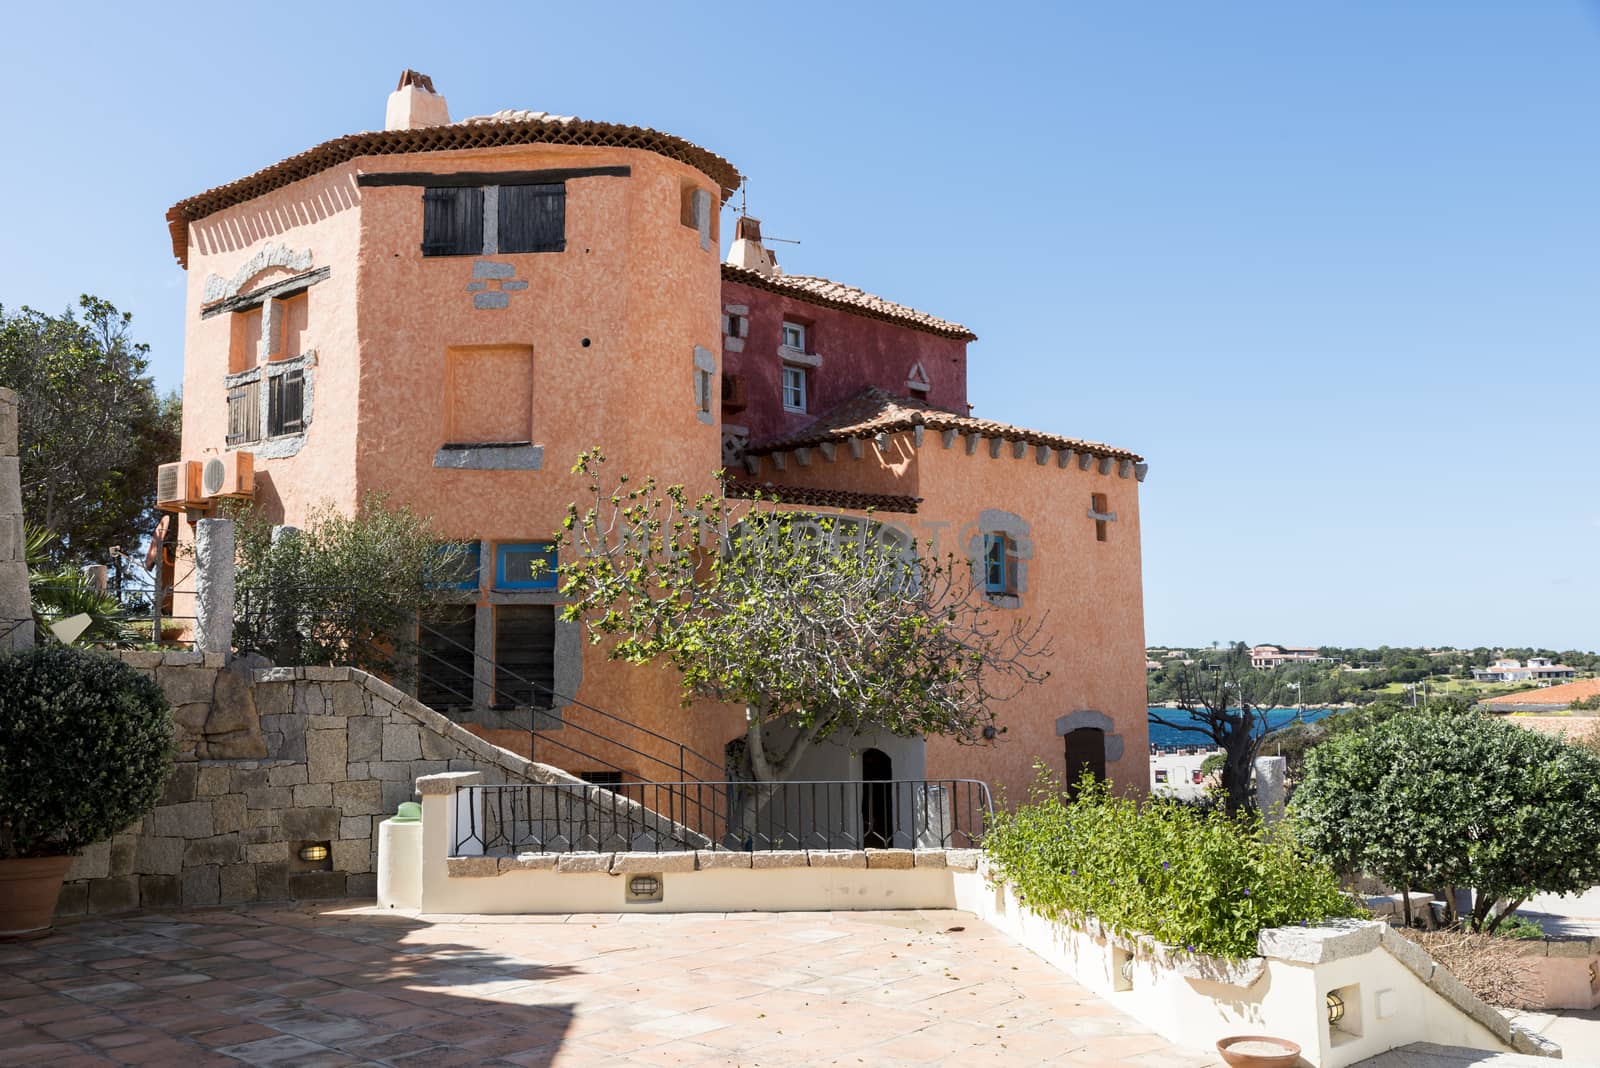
1151 665
1268 657
1537 669
1550 699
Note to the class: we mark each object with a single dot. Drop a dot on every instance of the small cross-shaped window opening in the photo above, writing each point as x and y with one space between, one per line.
1097 504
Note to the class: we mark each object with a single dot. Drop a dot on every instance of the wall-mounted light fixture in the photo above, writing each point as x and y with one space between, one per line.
314 852
1335 1009
644 889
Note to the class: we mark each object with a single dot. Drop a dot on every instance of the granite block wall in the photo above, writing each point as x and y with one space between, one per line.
269 760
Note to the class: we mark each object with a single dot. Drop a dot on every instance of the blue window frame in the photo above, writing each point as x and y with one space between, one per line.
463 576
999 564
514 565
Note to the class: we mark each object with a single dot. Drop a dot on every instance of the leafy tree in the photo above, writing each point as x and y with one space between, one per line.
1448 797
1227 702
821 625
343 589
92 429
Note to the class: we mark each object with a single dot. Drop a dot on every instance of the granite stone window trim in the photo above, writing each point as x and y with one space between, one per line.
705 380
1093 720
289 287
490 456
1020 537
283 445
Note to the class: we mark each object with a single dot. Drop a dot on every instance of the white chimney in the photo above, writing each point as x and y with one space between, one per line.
414 104
748 251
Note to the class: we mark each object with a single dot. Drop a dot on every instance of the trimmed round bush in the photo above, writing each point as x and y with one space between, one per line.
85 749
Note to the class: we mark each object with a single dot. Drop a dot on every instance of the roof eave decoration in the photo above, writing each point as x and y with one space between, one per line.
488 132
825 293
874 415
819 497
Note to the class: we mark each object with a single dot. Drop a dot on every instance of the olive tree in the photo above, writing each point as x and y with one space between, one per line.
1448 797
820 625
1227 703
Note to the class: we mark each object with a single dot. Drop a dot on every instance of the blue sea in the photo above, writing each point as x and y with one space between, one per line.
1167 736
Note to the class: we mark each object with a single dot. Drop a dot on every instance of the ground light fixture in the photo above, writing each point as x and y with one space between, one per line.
1335 1009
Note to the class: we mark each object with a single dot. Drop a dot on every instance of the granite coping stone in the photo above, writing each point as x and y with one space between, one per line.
618 863
630 863
446 782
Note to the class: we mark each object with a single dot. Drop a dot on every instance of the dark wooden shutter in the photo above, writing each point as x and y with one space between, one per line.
244 413
452 222
524 655
533 218
294 402
446 654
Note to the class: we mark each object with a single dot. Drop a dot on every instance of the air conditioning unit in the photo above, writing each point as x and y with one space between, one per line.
232 474
178 486
733 392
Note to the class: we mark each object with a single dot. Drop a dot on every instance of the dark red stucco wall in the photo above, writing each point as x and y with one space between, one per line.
856 352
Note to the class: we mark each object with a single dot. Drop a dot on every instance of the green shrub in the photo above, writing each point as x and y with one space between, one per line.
1204 882
1449 797
85 748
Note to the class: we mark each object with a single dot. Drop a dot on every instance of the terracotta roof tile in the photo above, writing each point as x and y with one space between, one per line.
745 489
1551 696
873 411
830 294
483 131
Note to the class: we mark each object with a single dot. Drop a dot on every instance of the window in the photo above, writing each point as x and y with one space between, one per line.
702 390
735 326
244 413
286 395
611 780
459 573
244 342
527 218
1097 507
794 336
794 389
524 655
294 312
446 656
529 565
452 222
999 565
533 218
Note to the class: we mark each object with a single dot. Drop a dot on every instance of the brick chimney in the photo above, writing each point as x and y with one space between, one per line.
748 251
414 104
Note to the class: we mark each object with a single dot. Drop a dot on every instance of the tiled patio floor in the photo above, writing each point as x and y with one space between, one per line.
335 985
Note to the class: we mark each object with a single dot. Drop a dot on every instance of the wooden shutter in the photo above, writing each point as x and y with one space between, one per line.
446 656
244 413
533 218
524 655
452 222
286 394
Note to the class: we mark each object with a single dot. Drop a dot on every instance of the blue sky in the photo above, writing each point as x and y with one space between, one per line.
1332 266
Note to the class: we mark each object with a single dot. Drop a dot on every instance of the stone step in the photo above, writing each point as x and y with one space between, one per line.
1432 1055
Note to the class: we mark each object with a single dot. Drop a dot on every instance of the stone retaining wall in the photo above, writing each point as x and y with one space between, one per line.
271 759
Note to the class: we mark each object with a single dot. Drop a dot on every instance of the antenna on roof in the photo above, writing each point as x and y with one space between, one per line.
744 213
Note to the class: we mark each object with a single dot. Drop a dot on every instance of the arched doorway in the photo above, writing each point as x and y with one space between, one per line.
877 799
1086 752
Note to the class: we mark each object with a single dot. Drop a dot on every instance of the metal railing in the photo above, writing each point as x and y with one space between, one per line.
743 816
355 631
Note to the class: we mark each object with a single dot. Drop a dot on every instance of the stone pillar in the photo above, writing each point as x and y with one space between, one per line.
1271 789
16 611
213 586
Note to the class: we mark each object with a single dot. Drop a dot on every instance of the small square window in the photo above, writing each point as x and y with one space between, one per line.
702 390
529 565
794 336
459 571
999 565
794 389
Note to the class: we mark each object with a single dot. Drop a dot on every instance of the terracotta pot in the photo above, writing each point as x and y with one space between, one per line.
1287 1055
29 889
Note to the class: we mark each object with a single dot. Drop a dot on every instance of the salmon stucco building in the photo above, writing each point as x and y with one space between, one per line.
449 312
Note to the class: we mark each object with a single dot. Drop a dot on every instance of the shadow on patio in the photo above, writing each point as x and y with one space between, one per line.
308 984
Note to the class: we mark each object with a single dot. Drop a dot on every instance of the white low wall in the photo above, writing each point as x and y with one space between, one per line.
1394 993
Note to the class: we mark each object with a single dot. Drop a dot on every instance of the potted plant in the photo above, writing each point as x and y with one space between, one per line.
86 745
